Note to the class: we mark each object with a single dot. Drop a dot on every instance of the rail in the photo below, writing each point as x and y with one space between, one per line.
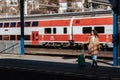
9 47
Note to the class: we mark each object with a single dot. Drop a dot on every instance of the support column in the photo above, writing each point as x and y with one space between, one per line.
22 25
115 39
118 24
116 33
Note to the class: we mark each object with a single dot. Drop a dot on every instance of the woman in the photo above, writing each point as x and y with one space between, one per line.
93 46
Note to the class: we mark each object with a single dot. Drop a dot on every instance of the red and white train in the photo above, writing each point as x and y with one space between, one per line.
58 31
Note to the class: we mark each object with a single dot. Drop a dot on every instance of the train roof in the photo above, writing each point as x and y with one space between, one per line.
55 16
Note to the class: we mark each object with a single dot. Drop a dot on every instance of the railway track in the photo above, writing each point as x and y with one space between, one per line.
63 52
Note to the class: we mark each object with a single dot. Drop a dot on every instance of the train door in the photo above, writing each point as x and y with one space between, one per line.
35 40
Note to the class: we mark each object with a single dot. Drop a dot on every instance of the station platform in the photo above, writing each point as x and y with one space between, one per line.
60 65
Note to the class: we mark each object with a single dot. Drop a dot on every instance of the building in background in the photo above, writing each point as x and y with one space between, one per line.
11 7
82 5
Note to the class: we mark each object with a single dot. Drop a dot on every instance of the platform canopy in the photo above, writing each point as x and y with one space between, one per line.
104 1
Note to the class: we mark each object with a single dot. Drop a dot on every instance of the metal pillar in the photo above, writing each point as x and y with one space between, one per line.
115 39
22 25
116 33
118 5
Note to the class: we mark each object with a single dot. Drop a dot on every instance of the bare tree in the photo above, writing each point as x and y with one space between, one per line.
54 5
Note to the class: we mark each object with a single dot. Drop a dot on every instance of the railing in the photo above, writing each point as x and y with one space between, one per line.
9 47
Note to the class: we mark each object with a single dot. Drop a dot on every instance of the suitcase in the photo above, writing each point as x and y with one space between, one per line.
81 58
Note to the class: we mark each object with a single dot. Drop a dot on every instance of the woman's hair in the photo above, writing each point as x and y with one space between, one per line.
95 33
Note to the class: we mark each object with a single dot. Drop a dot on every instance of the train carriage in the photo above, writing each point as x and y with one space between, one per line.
103 25
60 31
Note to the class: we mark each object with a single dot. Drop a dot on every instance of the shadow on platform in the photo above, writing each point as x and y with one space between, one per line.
59 68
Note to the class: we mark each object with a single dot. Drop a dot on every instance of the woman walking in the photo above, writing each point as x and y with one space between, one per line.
93 47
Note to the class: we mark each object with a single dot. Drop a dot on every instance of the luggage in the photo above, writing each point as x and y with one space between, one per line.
81 58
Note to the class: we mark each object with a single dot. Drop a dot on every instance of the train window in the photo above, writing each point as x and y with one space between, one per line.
6 37
19 24
27 24
1 24
35 23
87 29
6 24
6 29
0 37
54 30
18 37
47 30
13 24
27 37
12 37
100 29
65 30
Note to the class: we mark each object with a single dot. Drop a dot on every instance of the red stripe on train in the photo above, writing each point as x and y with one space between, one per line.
52 38
93 21
81 38
76 38
84 38
54 23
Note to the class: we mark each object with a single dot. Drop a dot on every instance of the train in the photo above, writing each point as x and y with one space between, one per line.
58 31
